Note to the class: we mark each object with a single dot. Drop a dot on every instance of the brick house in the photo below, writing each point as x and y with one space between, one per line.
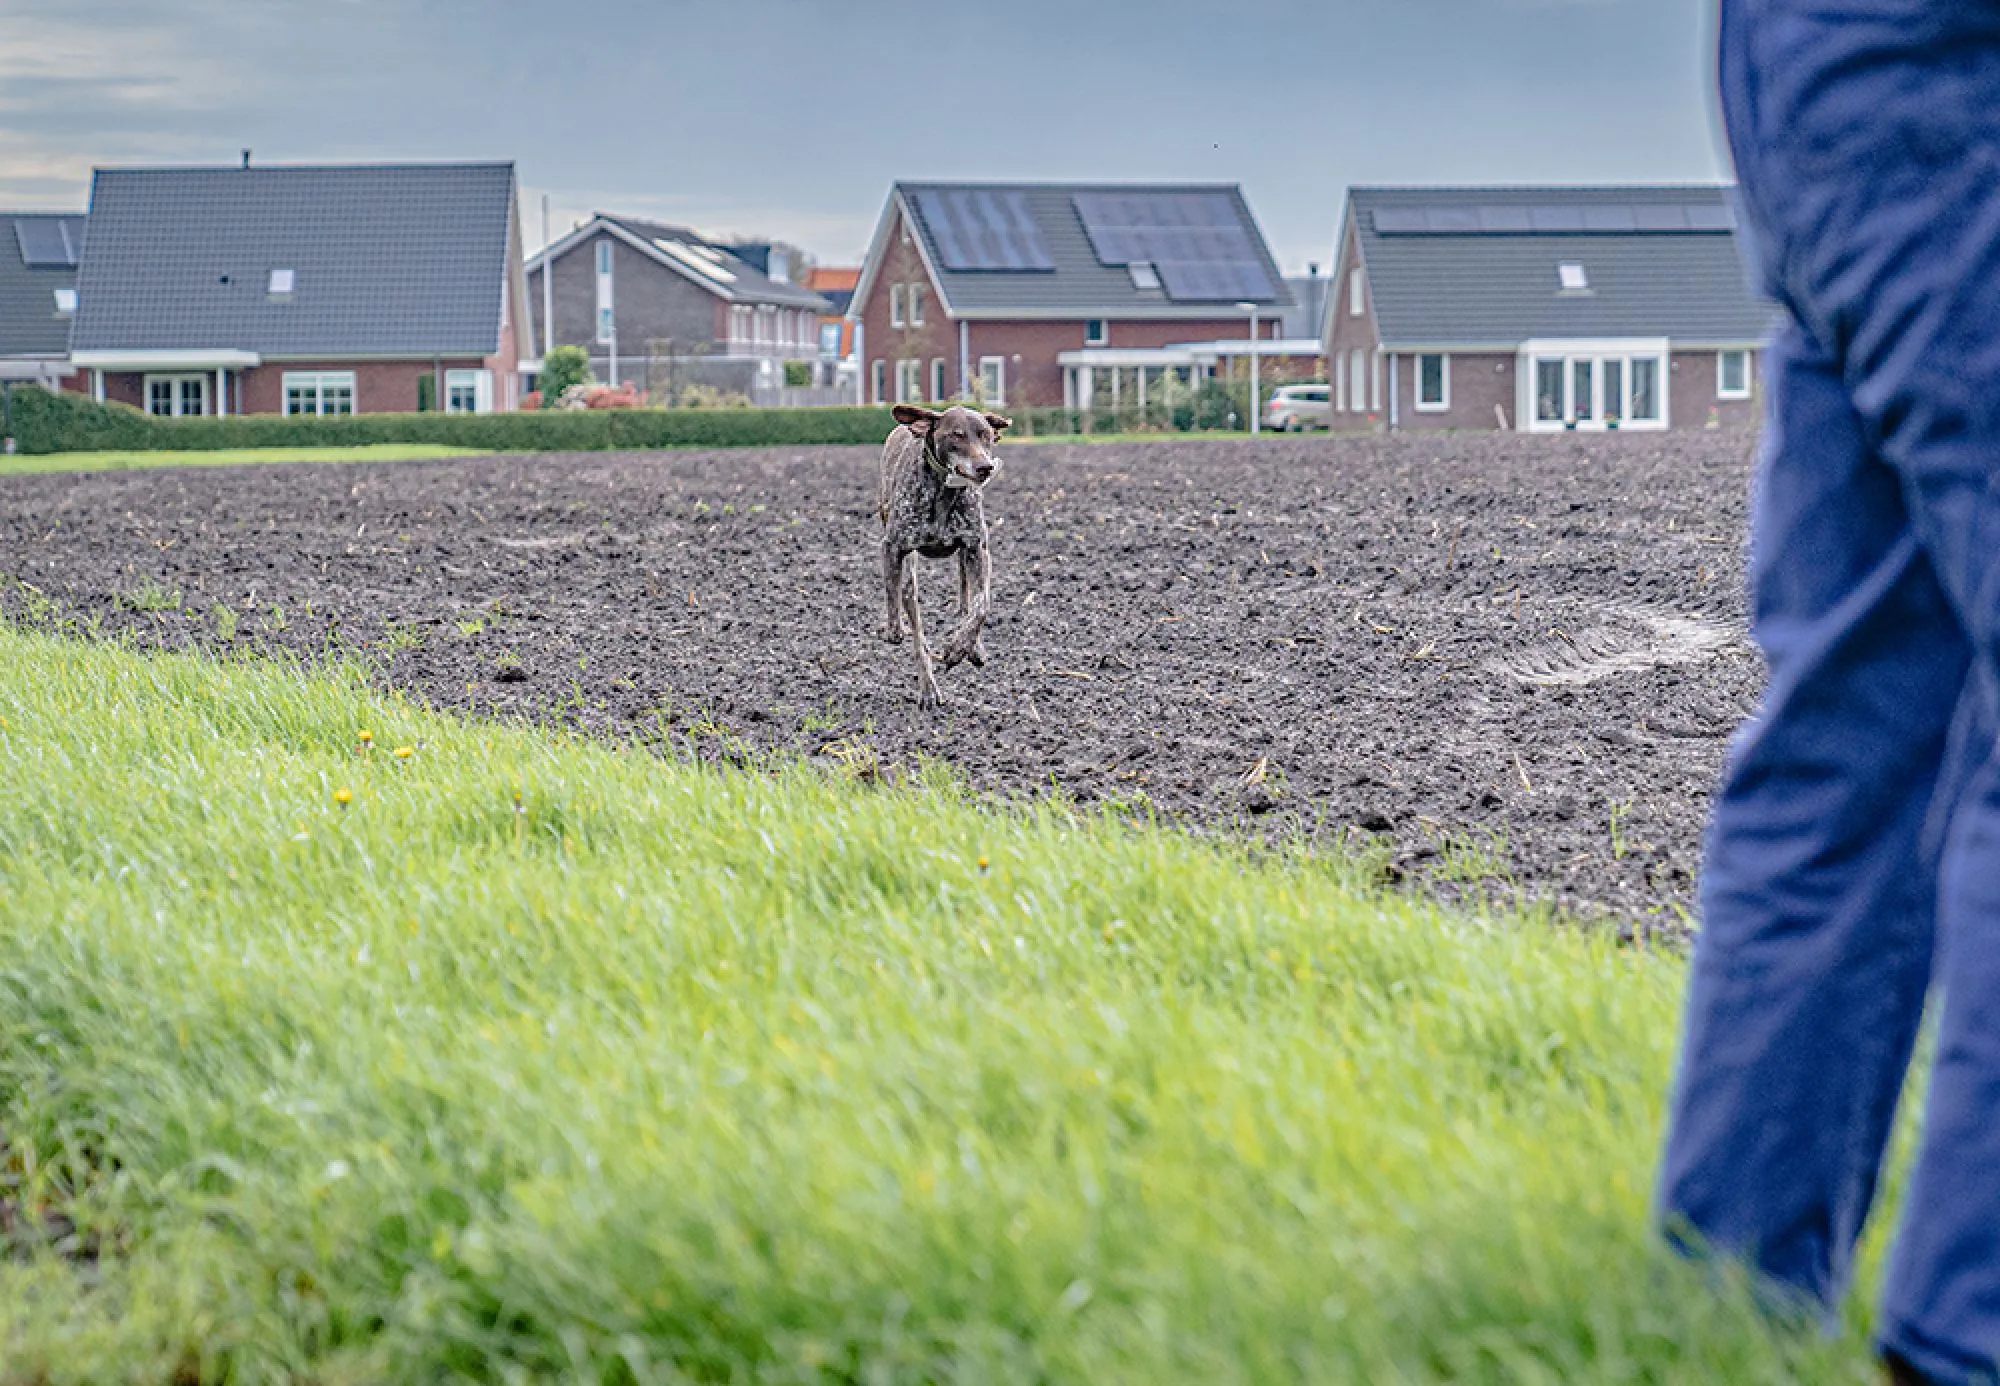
312 289
1542 310
38 260
658 305
1044 294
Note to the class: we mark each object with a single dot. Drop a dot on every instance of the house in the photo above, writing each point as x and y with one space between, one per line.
662 307
1542 310
1027 294
38 260
307 289
836 329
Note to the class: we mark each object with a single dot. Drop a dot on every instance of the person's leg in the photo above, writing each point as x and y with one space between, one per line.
1816 919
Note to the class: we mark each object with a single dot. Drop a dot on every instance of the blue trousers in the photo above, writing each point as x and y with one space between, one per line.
1853 863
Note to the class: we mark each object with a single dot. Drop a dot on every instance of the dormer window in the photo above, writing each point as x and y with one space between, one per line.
1571 277
282 282
65 303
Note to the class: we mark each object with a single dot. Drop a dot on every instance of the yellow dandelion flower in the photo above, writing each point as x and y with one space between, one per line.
983 863
405 752
366 736
343 797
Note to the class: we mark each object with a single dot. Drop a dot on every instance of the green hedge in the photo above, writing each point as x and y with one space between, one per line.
45 423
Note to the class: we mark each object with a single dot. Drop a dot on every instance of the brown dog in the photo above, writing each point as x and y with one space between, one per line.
933 469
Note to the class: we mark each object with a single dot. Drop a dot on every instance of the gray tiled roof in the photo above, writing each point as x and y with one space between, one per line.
28 322
1502 289
1079 286
751 285
389 260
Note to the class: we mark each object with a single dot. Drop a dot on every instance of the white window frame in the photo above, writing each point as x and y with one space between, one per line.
1339 374
1357 382
1096 332
1375 385
916 299
66 303
481 384
1572 278
1568 353
993 384
607 312
937 378
1442 404
320 383
177 381
896 306
1357 293
1722 391
878 380
910 380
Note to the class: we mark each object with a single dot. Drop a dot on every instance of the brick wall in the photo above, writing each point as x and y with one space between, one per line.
1691 393
1348 334
1478 382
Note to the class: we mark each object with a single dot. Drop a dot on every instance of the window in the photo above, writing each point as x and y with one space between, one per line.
1614 392
895 305
878 375
1357 382
1375 387
604 257
607 323
468 392
1357 294
1582 373
1571 277
993 379
65 303
1144 275
1339 388
829 339
916 305
282 281
1433 383
909 382
177 396
937 378
1645 389
319 392
1732 375
607 326
1548 391
1097 332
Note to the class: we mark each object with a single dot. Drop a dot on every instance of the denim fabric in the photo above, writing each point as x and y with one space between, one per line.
1854 856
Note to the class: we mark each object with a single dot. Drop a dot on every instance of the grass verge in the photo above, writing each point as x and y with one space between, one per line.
23 464
470 1052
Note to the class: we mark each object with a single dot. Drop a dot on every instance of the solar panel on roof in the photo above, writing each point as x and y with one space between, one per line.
1599 218
1505 219
983 229
1660 216
46 243
1196 241
1395 221
1710 216
1551 217
1609 217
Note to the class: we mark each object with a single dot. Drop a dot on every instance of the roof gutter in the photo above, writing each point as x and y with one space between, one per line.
210 358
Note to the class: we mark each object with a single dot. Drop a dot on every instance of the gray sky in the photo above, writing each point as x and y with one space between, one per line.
790 118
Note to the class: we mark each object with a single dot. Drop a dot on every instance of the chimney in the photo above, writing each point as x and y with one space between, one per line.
246 158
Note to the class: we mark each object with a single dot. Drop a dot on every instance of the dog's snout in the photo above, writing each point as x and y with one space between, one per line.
982 471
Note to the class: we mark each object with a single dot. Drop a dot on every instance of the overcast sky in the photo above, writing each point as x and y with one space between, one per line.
790 118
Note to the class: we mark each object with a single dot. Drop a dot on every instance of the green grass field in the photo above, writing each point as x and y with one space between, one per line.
519 1058
21 464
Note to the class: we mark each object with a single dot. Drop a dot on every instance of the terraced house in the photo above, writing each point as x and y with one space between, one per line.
1078 295
1542 310
660 307
315 289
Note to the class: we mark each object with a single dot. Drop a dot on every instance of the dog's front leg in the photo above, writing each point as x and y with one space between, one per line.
975 568
894 561
928 693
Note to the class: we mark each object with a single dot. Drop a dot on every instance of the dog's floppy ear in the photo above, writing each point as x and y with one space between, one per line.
918 421
998 423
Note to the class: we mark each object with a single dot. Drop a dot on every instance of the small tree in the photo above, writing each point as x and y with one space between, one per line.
563 367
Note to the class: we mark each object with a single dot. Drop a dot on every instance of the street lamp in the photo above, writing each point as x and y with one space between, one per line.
1255 410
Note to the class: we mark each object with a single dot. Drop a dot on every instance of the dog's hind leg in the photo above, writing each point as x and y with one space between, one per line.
975 576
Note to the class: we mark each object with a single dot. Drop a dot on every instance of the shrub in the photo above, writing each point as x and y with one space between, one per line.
46 423
798 373
563 367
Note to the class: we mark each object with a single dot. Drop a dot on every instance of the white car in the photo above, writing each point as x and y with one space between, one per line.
1295 407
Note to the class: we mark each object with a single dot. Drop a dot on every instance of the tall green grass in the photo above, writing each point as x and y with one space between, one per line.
546 1060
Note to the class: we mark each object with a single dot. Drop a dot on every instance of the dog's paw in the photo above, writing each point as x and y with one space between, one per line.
892 634
931 697
977 654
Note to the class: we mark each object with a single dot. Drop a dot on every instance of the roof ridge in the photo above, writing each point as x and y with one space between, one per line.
1539 189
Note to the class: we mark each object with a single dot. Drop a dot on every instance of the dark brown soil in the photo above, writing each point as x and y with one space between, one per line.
1497 661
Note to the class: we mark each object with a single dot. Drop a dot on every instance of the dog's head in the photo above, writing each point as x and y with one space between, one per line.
963 441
